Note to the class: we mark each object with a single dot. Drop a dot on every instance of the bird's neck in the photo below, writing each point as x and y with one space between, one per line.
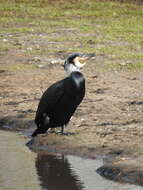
71 68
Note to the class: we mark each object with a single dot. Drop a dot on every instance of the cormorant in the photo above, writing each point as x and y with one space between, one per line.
60 100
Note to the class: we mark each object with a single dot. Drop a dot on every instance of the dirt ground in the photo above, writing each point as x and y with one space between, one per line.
109 121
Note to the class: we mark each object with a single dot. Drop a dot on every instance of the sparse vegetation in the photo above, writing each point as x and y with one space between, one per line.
19 67
105 27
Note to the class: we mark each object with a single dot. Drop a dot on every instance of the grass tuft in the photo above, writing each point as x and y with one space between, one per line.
105 27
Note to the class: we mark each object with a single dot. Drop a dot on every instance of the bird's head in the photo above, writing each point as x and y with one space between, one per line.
76 61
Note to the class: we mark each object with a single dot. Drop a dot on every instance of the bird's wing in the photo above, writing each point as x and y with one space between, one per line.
49 100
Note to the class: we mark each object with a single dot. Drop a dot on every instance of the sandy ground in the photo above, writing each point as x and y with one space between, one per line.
108 122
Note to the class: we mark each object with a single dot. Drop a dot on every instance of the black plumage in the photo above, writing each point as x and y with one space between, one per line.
59 102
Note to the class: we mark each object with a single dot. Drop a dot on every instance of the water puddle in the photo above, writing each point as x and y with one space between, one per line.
17 164
58 172
21 169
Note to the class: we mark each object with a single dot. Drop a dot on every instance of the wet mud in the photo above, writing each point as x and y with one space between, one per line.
122 175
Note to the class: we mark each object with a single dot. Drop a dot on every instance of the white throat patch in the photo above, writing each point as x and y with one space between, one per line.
69 68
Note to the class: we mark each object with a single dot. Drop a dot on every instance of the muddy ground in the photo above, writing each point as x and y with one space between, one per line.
109 121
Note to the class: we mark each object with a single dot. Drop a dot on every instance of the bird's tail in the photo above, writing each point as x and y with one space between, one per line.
43 126
38 131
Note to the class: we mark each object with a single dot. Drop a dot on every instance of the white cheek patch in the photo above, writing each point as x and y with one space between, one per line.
79 65
77 62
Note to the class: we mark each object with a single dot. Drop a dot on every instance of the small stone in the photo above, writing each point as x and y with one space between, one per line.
37 59
40 66
122 64
5 40
29 48
57 61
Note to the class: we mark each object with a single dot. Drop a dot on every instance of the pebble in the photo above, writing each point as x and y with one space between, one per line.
5 40
29 48
57 61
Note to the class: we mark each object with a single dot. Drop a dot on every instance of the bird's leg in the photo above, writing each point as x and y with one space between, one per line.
62 129
61 132
65 133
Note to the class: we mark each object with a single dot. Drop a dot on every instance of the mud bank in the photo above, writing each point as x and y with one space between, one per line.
109 121
127 170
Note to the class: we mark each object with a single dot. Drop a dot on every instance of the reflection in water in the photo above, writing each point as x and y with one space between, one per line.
56 173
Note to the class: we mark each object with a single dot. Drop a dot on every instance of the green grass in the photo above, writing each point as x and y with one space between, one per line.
104 27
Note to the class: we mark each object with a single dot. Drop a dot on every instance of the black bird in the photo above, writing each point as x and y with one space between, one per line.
60 100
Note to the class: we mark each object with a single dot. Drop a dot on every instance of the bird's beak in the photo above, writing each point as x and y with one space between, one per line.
86 57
